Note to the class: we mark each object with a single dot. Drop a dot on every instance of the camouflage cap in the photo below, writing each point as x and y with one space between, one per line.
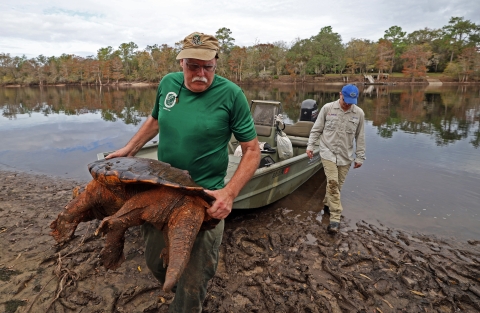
199 46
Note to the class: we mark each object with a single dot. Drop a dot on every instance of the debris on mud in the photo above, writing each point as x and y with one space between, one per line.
276 269
272 260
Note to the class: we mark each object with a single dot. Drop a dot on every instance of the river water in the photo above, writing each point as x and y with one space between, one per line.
422 171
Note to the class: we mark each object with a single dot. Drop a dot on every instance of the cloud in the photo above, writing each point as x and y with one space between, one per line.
81 28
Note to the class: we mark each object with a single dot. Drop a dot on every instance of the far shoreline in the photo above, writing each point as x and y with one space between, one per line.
287 80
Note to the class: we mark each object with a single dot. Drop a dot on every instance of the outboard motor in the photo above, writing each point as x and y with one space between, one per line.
309 110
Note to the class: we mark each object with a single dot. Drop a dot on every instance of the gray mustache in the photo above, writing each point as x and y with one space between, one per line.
202 79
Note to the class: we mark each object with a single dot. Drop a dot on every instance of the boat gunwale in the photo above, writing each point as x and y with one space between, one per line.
268 170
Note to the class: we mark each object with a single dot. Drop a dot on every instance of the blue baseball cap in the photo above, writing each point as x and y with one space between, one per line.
350 94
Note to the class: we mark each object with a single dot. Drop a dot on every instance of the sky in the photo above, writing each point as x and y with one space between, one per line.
54 27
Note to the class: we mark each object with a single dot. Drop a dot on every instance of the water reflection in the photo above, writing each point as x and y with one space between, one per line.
448 114
127 104
422 170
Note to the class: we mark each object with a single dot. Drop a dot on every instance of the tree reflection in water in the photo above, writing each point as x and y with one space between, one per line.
125 104
448 114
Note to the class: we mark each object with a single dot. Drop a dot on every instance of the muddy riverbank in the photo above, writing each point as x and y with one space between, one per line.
272 260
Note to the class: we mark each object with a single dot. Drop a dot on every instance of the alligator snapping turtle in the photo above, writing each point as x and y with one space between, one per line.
129 191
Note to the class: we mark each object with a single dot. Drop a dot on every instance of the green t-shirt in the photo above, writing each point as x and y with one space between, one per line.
194 133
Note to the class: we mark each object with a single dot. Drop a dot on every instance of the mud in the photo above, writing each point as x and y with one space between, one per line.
272 260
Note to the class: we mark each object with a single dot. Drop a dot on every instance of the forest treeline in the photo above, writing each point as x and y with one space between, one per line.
453 50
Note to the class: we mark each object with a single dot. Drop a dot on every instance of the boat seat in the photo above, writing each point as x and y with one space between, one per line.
299 129
266 134
298 141
263 130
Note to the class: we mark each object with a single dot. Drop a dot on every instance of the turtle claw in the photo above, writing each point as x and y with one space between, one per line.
112 257
62 232
164 257
112 254
103 228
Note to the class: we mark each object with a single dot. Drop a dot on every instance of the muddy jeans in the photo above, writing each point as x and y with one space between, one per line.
335 178
191 288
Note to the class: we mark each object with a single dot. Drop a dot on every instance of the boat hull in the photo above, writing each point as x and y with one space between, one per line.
272 183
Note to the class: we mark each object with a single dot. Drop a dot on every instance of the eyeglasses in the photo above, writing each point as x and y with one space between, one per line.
195 67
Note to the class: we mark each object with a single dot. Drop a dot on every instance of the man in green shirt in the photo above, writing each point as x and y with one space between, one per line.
195 114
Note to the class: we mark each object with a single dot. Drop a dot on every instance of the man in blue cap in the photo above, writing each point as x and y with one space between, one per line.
338 125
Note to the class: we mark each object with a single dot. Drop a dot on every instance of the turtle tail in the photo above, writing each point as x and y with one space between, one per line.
183 226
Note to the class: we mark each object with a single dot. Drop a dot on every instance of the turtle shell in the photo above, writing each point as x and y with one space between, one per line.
133 170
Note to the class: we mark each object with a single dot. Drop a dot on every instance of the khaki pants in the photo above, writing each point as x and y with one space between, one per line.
191 288
335 178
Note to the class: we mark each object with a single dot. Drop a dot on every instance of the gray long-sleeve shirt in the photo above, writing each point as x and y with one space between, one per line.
337 130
